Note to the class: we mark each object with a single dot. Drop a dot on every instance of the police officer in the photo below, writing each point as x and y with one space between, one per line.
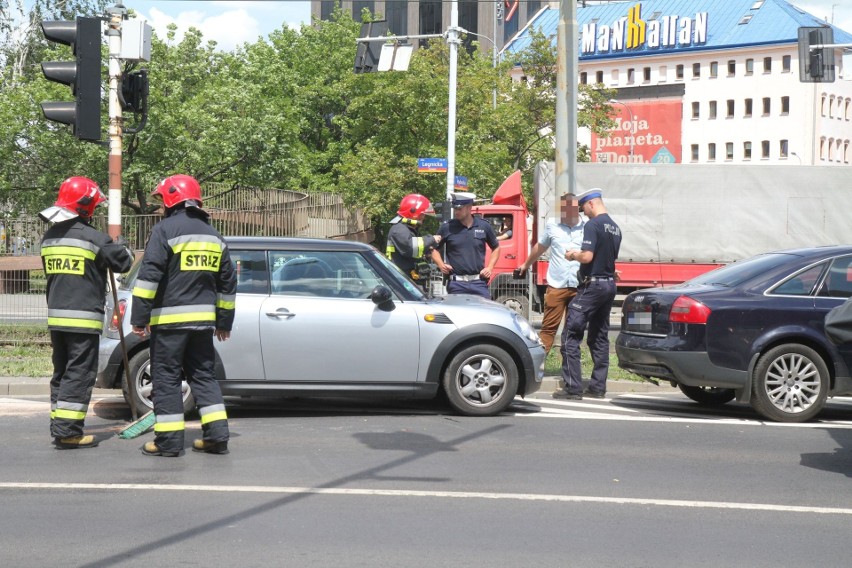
465 237
185 294
593 302
405 247
76 258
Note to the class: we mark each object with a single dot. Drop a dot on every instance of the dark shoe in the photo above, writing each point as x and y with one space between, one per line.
75 442
210 447
565 395
152 449
595 394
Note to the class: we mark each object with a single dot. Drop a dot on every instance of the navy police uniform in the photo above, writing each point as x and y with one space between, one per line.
465 252
592 305
186 289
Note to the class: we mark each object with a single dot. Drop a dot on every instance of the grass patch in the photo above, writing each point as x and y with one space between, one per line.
25 351
553 364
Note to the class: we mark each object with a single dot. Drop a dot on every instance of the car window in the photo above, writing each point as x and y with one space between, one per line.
250 267
800 284
736 273
325 274
838 283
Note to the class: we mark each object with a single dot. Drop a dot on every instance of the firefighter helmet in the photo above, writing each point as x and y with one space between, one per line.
178 188
413 206
78 197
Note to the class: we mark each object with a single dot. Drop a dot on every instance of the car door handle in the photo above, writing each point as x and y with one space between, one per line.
281 313
511 256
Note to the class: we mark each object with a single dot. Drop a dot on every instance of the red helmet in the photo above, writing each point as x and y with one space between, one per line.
80 195
413 206
177 189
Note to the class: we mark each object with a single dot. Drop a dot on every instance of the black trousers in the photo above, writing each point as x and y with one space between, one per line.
75 364
175 354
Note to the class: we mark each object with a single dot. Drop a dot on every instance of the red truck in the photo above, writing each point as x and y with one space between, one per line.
678 221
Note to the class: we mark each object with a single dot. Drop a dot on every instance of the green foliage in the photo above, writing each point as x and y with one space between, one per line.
288 112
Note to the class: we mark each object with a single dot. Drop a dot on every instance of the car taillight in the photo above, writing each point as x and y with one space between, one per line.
687 310
122 308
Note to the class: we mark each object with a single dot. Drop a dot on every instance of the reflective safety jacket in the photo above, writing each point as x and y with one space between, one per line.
76 258
186 280
405 248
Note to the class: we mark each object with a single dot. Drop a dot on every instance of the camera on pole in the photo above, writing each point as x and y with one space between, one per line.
83 75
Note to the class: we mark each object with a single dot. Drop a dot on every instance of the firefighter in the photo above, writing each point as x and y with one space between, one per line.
184 295
76 258
406 248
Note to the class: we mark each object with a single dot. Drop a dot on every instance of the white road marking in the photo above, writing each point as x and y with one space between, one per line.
430 494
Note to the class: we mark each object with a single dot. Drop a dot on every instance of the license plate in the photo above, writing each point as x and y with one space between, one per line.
640 320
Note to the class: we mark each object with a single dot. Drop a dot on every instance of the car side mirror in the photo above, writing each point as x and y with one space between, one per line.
383 298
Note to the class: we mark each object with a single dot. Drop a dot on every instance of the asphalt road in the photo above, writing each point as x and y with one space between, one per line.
634 480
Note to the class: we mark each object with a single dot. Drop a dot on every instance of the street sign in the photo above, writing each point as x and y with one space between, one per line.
460 183
431 165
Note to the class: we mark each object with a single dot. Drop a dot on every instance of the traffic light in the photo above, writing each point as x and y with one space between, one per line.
83 75
816 65
368 52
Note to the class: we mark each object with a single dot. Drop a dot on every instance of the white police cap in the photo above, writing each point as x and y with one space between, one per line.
588 195
462 198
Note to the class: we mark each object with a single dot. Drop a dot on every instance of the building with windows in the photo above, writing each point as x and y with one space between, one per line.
708 81
492 21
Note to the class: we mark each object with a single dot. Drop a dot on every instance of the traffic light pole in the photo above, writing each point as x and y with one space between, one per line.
116 15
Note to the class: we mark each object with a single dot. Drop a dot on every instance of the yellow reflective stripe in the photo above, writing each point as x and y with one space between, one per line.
52 413
213 416
144 293
205 246
169 426
74 322
70 251
389 250
69 414
420 248
226 305
183 318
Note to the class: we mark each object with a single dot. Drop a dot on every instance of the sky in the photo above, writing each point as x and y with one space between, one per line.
231 23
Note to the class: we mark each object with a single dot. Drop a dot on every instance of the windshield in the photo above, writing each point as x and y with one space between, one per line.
738 272
399 276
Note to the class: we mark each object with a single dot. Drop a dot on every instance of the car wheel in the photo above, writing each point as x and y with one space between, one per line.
140 373
790 383
481 380
516 302
709 396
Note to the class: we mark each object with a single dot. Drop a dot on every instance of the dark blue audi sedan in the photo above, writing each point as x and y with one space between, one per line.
751 330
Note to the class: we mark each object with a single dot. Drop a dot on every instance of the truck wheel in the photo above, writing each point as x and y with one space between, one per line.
516 302
790 383
708 396
140 372
481 380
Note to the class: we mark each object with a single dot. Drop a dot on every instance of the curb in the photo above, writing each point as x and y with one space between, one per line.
33 386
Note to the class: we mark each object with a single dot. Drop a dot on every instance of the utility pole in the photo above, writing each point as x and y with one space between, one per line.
116 15
566 100
453 42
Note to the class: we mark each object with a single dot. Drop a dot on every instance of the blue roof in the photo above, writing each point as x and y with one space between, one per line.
773 22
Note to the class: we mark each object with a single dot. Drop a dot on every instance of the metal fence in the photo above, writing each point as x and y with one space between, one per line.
233 211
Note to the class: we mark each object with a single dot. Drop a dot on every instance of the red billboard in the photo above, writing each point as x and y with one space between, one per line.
645 132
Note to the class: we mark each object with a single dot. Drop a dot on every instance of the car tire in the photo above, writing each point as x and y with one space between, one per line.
140 372
790 383
481 380
708 396
516 302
